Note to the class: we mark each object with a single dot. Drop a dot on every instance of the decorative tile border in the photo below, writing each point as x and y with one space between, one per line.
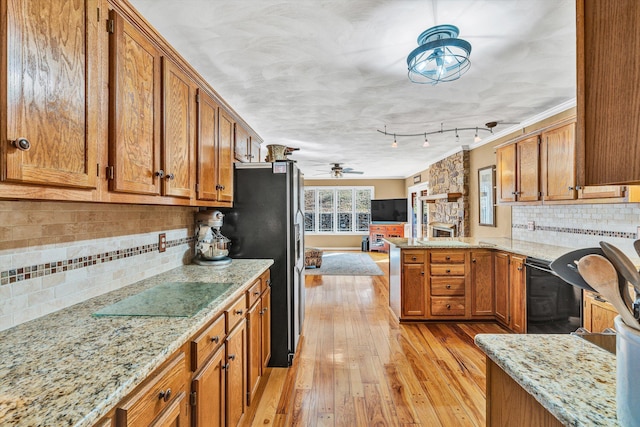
604 233
29 272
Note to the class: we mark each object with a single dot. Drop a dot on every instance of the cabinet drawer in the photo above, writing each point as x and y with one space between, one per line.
205 344
253 293
447 269
414 257
447 306
236 313
447 257
155 395
447 285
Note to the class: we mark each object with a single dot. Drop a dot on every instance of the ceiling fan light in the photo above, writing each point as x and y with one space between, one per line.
440 56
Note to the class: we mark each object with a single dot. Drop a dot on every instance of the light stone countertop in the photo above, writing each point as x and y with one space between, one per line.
70 368
520 247
572 378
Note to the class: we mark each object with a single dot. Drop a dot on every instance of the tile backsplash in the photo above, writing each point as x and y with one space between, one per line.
578 226
54 255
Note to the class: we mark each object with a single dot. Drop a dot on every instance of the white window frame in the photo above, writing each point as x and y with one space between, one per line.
335 209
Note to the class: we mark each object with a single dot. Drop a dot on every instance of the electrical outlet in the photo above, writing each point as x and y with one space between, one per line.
162 242
531 225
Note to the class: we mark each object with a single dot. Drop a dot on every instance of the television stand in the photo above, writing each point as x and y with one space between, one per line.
380 231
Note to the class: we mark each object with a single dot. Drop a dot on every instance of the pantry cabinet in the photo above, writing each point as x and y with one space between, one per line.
50 97
134 101
608 93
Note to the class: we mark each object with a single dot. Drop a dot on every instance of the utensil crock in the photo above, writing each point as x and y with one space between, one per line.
627 368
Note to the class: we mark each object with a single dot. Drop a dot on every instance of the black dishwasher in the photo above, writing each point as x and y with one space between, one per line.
553 305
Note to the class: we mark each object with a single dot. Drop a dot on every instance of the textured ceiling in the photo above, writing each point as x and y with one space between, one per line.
324 75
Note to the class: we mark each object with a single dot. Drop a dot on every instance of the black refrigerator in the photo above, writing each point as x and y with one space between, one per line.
267 221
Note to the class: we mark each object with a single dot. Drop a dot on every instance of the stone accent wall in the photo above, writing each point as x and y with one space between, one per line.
451 175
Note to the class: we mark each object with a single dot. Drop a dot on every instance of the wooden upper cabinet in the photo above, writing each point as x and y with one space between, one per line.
207 131
608 92
225 156
528 176
134 134
254 153
178 116
506 173
242 145
558 163
50 104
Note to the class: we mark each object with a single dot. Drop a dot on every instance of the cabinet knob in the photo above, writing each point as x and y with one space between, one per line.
165 395
215 339
520 268
570 188
239 312
422 273
232 357
448 286
269 282
160 173
448 258
473 260
579 187
414 258
22 144
225 366
448 271
170 176
448 306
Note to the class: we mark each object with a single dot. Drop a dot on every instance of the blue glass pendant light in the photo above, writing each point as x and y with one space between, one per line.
440 57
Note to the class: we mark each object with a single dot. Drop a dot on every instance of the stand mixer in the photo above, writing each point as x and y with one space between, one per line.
212 248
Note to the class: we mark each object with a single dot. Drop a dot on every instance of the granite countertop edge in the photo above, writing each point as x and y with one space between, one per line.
22 401
585 396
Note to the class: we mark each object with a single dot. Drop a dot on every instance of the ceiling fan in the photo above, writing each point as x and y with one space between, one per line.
337 171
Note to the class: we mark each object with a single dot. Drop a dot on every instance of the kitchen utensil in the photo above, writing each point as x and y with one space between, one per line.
602 276
624 266
636 246
566 267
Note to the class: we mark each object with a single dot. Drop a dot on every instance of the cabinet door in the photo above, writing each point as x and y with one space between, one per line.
602 191
517 295
255 151
528 170
175 415
207 134
254 348
501 262
506 173
209 389
134 134
52 94
178 99
608 122
225 157
266 328
598 314
236 374
242 145
413 293
482 290
558 163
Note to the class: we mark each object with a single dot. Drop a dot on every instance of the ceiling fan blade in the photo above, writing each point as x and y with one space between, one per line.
358 172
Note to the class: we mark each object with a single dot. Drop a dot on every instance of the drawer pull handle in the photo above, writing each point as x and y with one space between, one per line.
448 306
215 339
232 357
165 395
239 312
22 144
448 286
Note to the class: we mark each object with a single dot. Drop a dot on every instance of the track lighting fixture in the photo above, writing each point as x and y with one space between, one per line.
488 127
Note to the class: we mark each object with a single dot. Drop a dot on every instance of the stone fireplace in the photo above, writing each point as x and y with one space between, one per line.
451 175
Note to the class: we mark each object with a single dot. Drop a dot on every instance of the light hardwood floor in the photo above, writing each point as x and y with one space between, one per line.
357 366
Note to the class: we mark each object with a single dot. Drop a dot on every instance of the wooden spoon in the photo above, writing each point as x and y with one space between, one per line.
600 274
625 266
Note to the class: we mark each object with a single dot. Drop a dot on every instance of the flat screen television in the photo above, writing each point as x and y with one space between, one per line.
389 210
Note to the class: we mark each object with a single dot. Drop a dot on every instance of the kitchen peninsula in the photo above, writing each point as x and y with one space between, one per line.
71 368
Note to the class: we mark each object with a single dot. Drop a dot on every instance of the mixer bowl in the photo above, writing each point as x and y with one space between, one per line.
213 251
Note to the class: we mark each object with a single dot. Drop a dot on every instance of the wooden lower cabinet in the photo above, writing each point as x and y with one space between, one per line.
236 346
208 392
598 314
447 284
508 404
378 232
174 415
510 291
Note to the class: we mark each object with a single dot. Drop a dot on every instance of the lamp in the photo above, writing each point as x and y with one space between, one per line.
440 56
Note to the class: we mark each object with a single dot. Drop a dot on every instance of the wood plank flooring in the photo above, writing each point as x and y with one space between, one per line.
357 366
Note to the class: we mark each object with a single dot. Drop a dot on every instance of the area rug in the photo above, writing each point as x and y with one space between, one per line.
346 264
